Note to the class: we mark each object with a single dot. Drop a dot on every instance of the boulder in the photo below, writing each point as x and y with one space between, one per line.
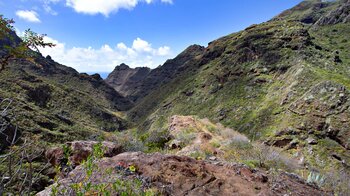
79 151
311 141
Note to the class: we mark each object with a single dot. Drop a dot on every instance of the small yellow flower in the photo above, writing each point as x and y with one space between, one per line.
132 168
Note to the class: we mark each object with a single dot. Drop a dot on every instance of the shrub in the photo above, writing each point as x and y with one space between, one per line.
186 137
316 178
156 140
129 141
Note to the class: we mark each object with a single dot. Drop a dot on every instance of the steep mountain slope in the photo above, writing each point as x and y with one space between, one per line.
285 82
55 102
125 79
155 78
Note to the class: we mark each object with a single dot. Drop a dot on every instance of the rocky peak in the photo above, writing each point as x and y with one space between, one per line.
124 79
189 53
123 66
193 49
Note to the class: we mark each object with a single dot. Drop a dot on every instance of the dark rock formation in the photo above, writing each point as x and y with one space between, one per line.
125 79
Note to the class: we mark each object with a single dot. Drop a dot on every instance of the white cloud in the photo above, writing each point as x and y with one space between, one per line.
163 51
122 46
105 7
141 45
28 15
105 58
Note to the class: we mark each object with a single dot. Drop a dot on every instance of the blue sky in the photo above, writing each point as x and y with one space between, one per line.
97 35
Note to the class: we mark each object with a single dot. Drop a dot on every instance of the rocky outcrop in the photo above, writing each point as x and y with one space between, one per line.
125 79
323 100
77 151
179 175
339 15
325 108
319 12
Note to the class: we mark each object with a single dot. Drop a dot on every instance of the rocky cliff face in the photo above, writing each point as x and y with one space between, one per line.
125 79
341 14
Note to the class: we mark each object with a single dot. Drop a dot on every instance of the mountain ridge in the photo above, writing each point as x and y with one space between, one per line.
156 77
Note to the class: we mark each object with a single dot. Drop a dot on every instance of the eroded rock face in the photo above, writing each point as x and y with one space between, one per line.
125 79
78 151
179 175
339 15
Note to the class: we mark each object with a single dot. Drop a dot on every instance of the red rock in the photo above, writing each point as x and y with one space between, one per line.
80 151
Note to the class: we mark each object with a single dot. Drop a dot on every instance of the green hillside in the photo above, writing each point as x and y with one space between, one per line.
284 82
57 103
